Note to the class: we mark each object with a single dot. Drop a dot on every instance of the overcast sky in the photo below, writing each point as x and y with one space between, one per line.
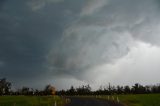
75 42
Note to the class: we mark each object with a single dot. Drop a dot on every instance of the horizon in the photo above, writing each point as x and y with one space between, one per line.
72 43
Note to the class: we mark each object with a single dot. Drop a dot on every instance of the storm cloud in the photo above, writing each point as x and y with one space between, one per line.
83 41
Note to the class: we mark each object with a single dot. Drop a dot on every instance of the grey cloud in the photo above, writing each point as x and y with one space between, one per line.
36 5
104 36
93 5
141 19
86 48
27 36
1 4
71 38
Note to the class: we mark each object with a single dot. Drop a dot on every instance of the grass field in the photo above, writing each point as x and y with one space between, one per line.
30 101
127 100
139 99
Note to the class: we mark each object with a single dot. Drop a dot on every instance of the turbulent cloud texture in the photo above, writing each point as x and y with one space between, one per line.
80 42
93 6
40 4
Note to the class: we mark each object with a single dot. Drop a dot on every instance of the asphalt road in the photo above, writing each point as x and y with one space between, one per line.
79 101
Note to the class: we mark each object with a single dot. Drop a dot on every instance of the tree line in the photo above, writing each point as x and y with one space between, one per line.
5 89
111 90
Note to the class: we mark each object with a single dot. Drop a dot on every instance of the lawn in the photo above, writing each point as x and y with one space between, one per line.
31 101
138 100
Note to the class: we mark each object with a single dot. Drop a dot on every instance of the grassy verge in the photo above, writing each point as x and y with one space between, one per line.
138 100
132 100
31 101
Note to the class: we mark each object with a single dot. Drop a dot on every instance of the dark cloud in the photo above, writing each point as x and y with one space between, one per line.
2 3
98 38
27 36
44 40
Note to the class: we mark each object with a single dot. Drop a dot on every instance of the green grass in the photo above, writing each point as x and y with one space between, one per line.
139 99
127 100
30 101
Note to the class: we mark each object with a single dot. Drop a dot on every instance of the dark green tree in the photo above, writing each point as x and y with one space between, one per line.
5 86
25 91
72 91
127 89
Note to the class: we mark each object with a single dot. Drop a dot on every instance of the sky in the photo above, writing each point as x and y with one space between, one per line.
76 42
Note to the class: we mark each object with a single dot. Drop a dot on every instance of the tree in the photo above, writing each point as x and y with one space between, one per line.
50 90
25 91
135 88
148 89
5 86
138 89
72 91
127 89
119 89
84 90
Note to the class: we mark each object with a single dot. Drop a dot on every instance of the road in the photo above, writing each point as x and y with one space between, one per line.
79 101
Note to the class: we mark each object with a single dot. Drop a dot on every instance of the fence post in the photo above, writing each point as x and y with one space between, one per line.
117 99
113 98
55 104
14 104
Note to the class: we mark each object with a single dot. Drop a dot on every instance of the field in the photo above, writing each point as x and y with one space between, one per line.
30 101
138 100
127 100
